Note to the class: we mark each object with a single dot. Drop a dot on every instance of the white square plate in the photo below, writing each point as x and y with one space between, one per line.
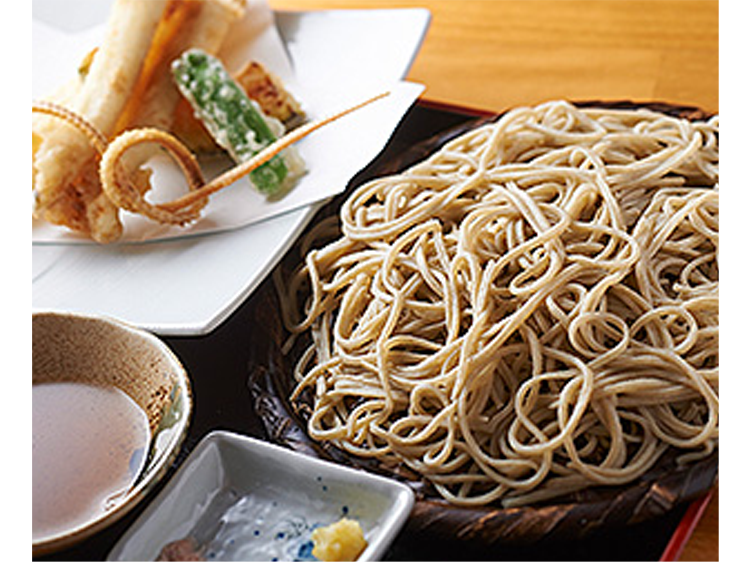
246 499
188 286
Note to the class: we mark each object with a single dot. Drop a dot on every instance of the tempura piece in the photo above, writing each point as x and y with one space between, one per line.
123 84
185 24
234 121
103 92
261 86
267 89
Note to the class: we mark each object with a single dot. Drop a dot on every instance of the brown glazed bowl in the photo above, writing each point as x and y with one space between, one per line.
106 352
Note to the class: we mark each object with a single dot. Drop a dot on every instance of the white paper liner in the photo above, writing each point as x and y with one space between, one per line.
332 155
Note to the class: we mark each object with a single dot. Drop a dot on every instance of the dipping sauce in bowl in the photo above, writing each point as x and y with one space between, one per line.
102 434
111 406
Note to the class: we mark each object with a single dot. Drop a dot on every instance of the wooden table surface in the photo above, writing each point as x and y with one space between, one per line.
496 54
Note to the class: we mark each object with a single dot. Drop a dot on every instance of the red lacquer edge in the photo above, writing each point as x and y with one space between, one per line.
685 528
454 108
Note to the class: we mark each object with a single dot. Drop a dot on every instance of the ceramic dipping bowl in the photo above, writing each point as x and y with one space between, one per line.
103 352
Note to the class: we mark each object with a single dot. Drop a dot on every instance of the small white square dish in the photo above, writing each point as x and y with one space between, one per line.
239 498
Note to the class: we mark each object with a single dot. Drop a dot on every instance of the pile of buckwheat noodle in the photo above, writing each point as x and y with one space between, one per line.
530 311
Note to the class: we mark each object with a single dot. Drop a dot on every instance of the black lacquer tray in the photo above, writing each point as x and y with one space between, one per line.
576 516
240 383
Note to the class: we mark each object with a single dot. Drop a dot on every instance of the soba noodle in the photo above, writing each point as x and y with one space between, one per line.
531 311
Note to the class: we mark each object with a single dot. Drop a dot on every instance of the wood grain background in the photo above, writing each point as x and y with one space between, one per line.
495 54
